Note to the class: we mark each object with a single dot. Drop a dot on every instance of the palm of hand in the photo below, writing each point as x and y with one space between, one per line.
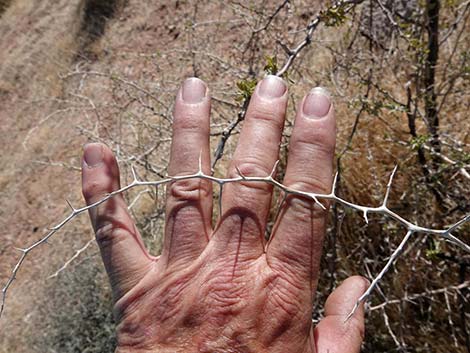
226 290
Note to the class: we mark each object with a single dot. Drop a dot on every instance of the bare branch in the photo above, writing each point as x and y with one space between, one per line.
376 280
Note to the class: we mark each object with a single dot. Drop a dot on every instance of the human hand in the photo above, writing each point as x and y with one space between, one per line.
225 289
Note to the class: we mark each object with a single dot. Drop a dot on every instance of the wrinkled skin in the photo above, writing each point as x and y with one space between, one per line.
226 289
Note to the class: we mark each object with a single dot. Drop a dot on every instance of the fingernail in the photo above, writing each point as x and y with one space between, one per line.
317 104
194 90
272 87
93 154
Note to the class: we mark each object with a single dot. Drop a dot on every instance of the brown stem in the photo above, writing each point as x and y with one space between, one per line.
432 56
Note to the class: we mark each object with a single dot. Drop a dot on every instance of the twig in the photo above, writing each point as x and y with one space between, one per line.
271 18
449 316
69 261
228 132
390 331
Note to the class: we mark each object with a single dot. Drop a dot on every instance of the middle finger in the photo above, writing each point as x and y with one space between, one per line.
246 204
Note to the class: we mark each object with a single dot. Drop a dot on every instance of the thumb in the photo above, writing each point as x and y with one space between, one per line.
334 334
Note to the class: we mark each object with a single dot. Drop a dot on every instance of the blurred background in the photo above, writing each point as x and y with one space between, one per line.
77 71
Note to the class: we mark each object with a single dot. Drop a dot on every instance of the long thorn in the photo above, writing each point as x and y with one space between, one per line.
389 186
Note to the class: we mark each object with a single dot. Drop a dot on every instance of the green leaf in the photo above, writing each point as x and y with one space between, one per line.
245 89
333 17
271 67
434 251
417 142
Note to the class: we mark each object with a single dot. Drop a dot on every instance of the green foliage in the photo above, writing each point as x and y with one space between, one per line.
434 251
333 16
245 89
372 107
247 86
415 43
271 67
417 142
466 157
465 57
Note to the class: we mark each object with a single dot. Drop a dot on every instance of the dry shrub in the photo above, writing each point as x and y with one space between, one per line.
79 317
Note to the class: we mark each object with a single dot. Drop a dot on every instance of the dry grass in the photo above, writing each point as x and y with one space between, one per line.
117 85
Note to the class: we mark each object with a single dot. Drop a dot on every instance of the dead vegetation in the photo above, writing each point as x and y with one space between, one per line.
77 71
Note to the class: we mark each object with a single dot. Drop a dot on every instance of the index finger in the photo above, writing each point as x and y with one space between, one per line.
124 255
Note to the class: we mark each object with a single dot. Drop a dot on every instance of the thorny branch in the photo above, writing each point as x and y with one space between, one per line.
412 228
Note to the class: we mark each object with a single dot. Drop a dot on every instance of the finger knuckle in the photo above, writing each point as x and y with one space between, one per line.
92 189
190 121
268 115
110 234
191 190
251 167
313 183
321 145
